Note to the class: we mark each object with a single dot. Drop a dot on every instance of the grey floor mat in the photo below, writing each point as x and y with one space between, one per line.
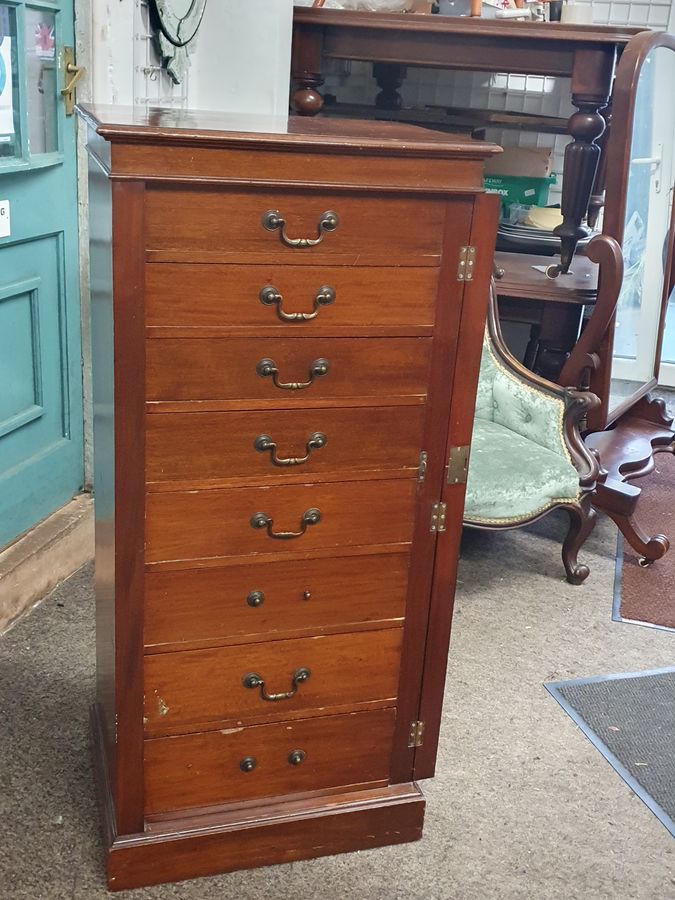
631 721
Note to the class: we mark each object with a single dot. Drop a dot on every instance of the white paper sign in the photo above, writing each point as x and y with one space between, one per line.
5 229
6 93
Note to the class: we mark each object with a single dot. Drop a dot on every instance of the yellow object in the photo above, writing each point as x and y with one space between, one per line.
544 218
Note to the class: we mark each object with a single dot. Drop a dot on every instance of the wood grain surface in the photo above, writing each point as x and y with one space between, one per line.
206 686
199 524
207 606
204 769
401 228
212 447
195 294
225 368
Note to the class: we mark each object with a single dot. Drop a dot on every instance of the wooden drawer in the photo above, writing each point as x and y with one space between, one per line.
256 602
241 369
204 447
267 760
190 689
215 295
212 224
183 525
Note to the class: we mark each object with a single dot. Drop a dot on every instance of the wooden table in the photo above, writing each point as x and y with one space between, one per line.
553 308
585 53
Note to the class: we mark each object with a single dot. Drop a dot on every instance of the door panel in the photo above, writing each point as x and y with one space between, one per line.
41 444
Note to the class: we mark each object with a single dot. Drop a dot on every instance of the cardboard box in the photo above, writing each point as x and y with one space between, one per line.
521 161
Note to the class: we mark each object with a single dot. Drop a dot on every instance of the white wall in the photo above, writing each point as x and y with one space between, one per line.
240 60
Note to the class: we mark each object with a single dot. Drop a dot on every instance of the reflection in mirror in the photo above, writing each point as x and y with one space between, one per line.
10 139
646 228
41 88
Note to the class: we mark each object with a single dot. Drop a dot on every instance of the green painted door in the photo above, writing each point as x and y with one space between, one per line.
41 444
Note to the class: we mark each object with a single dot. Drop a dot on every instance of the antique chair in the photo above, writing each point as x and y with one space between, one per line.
527 456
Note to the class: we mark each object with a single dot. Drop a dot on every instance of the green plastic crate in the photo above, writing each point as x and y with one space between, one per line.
519 189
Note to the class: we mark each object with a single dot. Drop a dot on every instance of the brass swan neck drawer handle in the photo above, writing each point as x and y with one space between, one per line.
254 681
272 220
262 520
269 295
267 368
264 442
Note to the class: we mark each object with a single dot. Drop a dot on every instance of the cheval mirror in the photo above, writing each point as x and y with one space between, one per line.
639 215
637 351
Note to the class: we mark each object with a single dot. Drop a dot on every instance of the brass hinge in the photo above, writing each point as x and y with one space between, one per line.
416 735
466 263
458 465
422 468
438 511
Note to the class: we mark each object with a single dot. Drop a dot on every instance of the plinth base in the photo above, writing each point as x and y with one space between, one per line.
254 834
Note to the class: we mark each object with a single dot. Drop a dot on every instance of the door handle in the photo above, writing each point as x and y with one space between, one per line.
74 73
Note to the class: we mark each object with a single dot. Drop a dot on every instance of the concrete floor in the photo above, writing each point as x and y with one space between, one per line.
522 806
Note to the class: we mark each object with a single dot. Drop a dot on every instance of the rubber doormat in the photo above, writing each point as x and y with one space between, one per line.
630 719
646 596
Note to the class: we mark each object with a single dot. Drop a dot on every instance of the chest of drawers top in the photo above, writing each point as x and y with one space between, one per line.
178 145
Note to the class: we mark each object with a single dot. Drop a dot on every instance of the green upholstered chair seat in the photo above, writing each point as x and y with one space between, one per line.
512 478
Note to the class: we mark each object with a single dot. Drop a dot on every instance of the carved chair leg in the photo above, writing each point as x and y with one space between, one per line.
649 548
582 522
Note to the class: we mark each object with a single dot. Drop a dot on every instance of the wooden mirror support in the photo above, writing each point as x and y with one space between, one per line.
626 437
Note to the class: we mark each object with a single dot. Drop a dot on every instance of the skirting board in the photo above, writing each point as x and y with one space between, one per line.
45 556
279 832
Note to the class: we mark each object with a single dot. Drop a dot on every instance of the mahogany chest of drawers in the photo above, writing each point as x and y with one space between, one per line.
286 339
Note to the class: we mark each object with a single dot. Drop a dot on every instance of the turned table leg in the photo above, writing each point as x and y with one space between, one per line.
389 78
306 71
591 84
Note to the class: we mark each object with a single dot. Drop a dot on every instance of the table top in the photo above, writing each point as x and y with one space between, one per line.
522 282
465 27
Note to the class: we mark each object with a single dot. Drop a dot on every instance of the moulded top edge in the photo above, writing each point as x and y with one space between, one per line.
131 124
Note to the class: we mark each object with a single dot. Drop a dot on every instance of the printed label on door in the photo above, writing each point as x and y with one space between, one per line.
4 219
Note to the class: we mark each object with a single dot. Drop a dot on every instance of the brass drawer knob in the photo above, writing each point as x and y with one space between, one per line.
255 599
248 764
272 220
254 681
296 757
267 368
269 296
262 520
264 442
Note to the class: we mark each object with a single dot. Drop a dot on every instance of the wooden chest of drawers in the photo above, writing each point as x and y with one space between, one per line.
286 340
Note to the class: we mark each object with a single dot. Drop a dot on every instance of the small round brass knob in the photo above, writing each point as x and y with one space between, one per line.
306 595
296 757
248 764
255 598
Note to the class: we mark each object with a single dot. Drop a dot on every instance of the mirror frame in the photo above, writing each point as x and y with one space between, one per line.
170 23
618 151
